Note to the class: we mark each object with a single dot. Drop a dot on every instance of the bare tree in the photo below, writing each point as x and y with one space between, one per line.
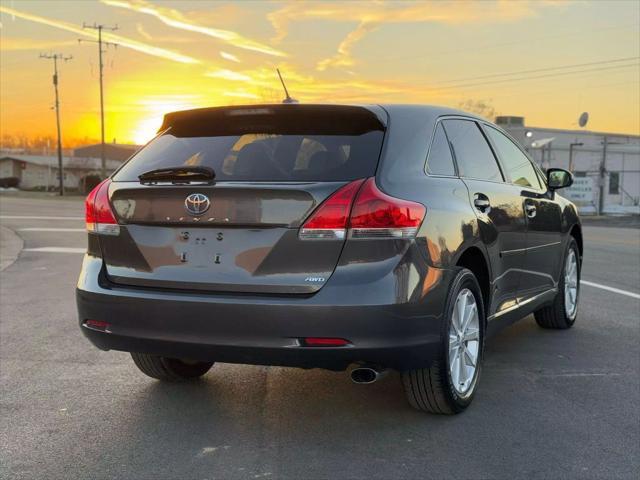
40 144
482 108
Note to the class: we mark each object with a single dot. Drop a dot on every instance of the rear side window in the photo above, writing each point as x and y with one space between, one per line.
472 152
516 164
268 144
440 161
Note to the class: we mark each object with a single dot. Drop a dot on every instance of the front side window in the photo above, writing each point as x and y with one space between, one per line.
440 161
471 150
516 164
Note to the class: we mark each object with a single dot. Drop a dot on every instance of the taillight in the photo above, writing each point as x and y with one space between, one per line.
98 215
365 212
378 215
329 221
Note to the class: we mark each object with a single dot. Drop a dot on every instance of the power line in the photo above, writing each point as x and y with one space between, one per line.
100 42
492 46
537 70
573 88
55 57
558 74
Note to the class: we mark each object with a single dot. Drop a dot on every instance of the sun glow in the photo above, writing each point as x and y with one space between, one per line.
155 108
146 130
183 57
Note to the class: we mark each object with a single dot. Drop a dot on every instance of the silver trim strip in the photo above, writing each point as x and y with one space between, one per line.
522 250
524 270
521 304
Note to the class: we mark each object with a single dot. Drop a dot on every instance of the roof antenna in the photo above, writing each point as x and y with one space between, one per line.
288 99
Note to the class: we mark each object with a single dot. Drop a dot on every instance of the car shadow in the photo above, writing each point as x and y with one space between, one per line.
242 421
245 421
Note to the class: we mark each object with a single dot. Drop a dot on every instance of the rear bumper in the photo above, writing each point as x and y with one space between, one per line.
261 330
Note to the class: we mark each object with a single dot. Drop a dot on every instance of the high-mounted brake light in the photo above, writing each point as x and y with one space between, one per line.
329 221
98 215
365 212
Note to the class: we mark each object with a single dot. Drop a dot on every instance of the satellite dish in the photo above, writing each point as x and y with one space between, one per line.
584 118
542 142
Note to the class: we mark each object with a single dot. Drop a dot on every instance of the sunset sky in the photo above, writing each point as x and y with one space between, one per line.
560 58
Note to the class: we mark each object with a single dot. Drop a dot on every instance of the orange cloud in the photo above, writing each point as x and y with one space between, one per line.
14 44
111 37
175 19
371 15
140 29
228 75
343 58
229 56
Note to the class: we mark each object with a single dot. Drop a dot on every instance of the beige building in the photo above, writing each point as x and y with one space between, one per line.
38 172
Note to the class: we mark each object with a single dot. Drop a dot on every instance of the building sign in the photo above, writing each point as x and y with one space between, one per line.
582 193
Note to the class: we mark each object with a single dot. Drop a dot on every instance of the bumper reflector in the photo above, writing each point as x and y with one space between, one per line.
324 342
97 325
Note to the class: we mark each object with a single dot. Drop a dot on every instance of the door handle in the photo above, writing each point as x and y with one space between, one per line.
530 210
482 203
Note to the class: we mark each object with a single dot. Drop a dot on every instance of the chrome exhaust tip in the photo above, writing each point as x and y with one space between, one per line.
366 375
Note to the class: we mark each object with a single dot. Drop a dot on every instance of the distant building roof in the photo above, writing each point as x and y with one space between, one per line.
67 162
113 151
515 122
510 120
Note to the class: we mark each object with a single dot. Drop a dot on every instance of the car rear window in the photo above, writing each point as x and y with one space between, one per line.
269 144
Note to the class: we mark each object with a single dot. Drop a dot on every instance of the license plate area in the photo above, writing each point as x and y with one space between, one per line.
201 248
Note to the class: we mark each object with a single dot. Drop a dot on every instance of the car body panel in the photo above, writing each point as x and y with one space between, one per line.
544 246
246 242
503 231
379 307
387 297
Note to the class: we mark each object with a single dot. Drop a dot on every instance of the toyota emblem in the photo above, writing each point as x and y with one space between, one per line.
197 203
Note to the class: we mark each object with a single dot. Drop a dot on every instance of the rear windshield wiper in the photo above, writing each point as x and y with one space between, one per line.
182 174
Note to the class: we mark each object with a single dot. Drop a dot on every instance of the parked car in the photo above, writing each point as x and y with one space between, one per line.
328 236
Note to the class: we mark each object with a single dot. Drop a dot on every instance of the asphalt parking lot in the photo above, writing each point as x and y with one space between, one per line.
551 404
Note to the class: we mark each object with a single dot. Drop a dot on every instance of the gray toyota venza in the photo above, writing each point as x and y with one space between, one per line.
360 237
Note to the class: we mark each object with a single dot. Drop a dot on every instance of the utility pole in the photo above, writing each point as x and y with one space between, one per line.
100 42
55 58
571 145
603 171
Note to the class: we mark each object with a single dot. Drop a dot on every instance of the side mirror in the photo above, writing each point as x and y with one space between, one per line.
559 178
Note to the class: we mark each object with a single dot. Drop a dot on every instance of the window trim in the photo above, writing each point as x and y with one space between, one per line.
508 180
456 171
453 155
541 176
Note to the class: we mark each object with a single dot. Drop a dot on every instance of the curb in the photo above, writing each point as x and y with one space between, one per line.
10 247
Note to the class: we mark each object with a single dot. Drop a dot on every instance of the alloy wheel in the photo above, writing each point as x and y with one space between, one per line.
464 342
571 284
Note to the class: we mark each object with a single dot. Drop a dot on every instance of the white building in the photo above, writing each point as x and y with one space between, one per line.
614 168
39 172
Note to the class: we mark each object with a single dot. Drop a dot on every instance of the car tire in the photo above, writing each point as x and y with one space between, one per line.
432 389
562 313
169 369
